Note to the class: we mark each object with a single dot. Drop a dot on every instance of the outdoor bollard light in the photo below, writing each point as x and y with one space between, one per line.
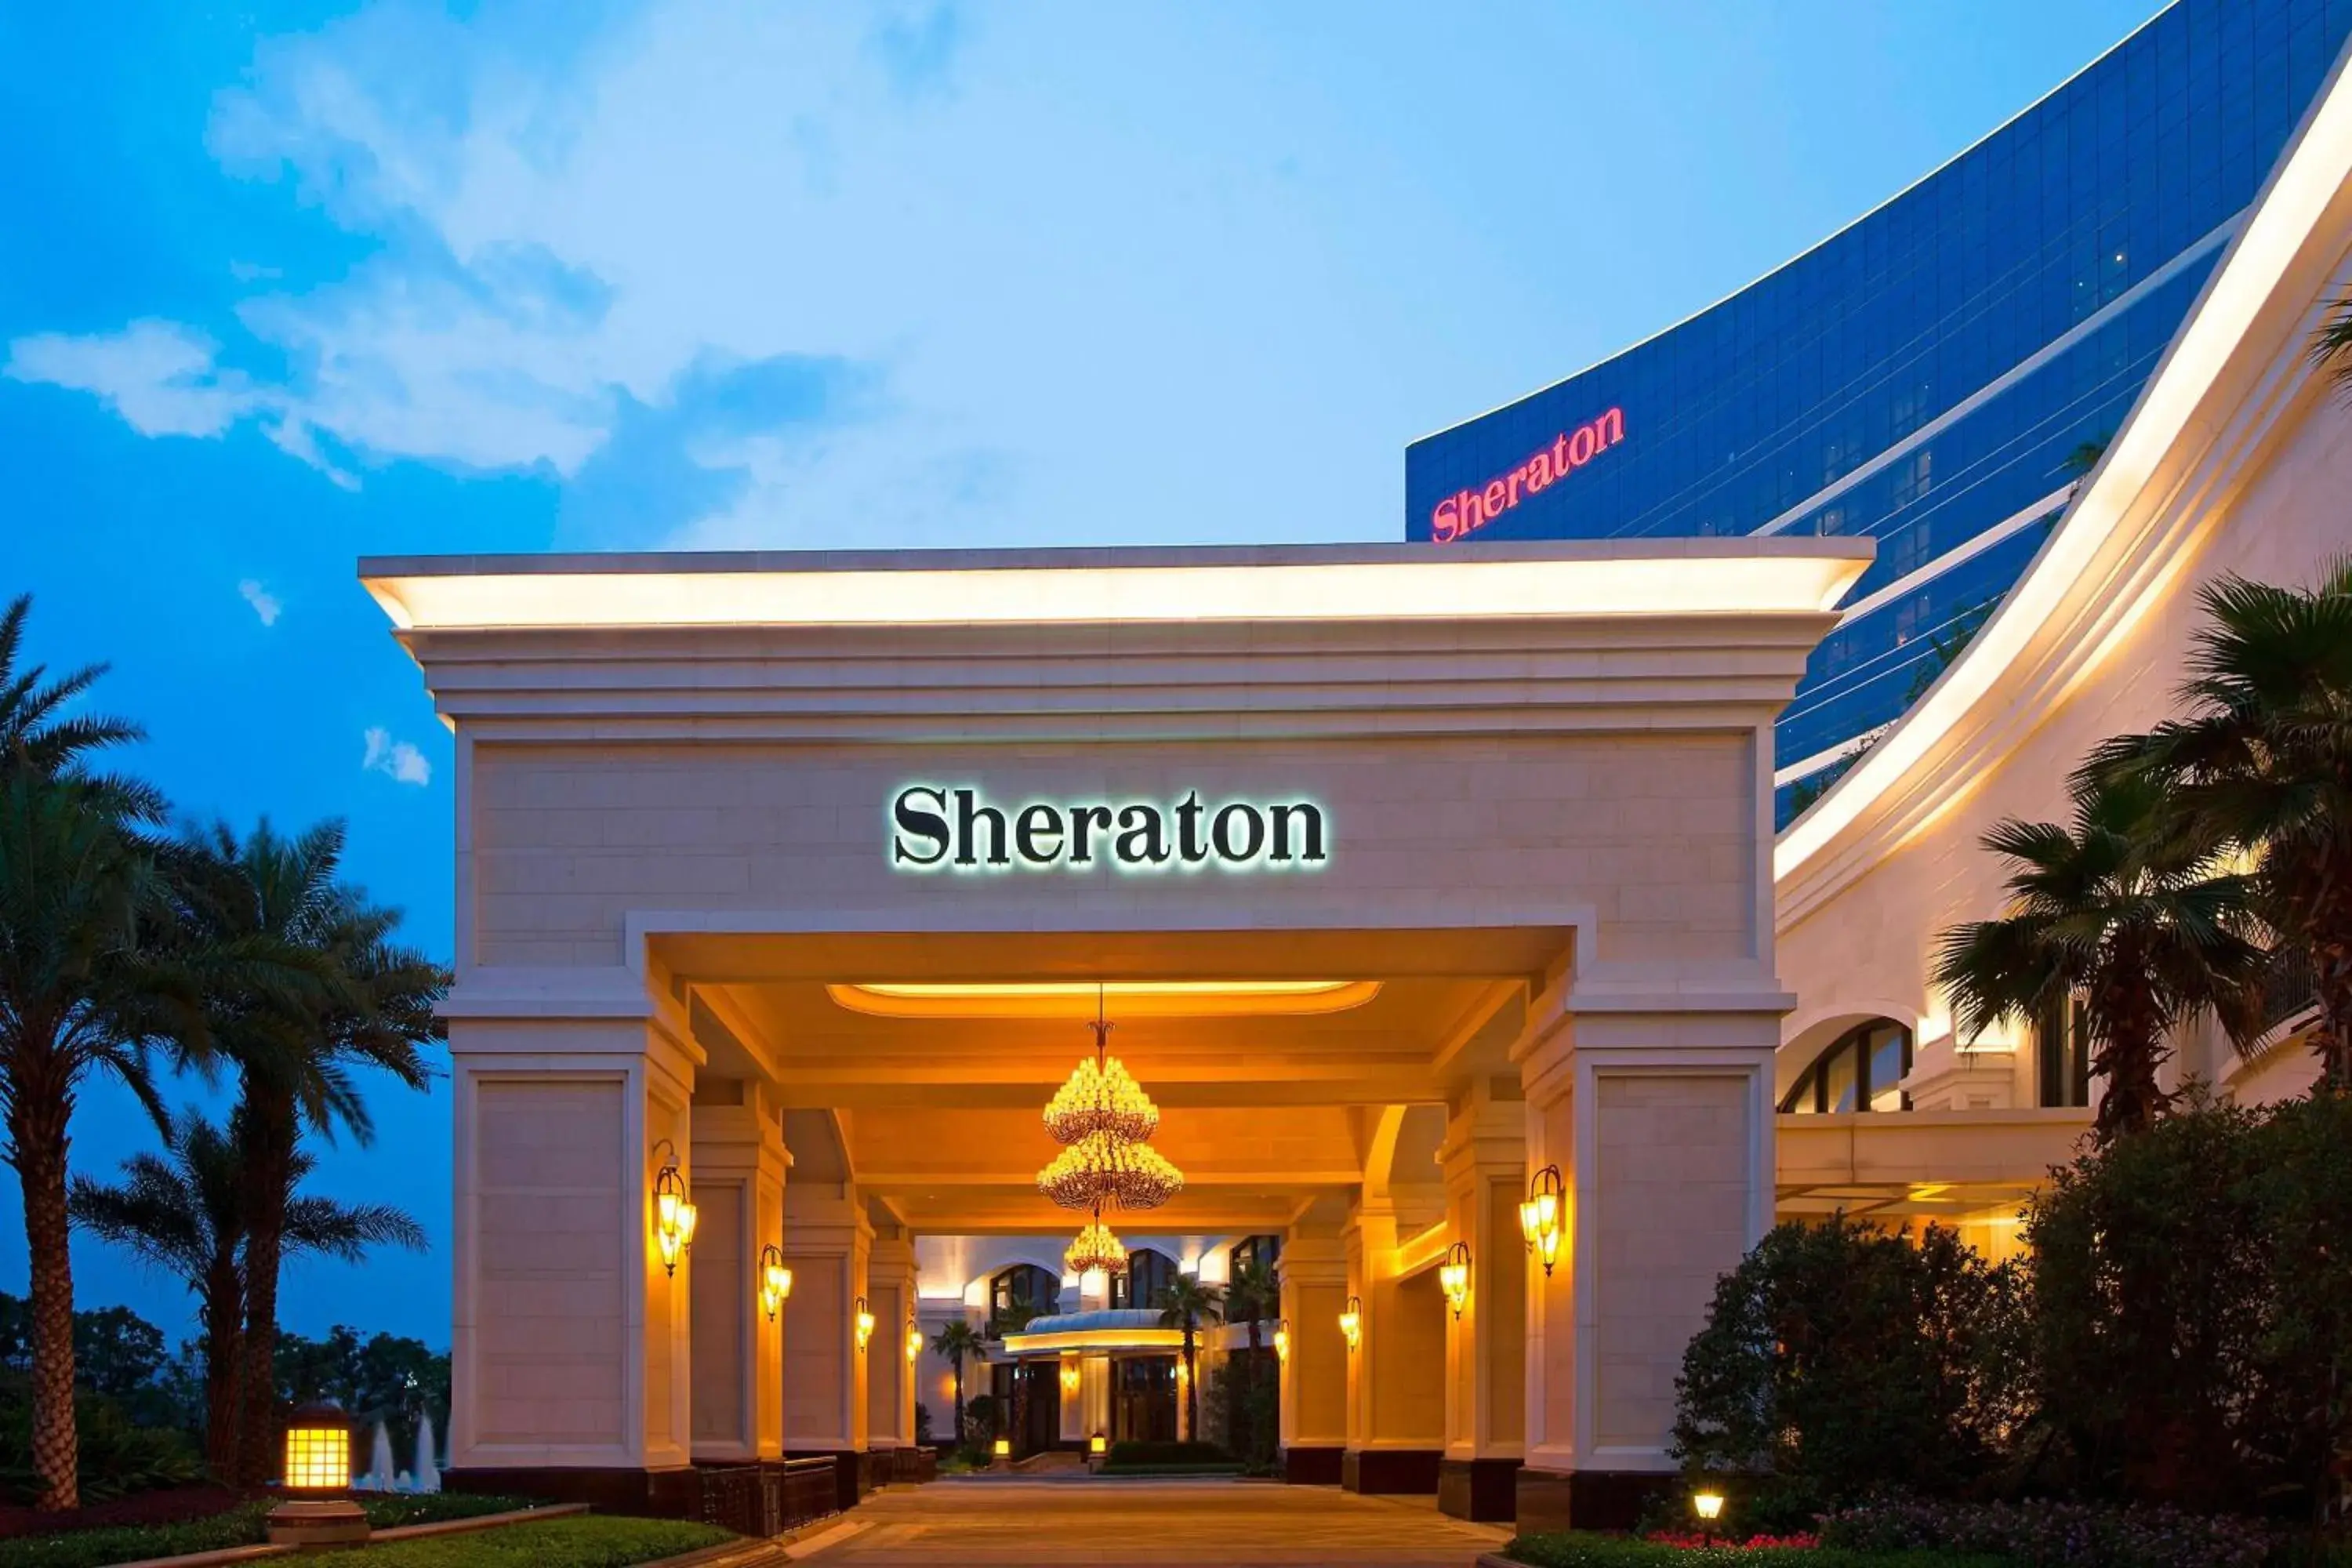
674 1216
1282 1339
1096 1444
318 1510
1454 1276
1351 1323
1540 1215
776 1281
865 1323
1708 1506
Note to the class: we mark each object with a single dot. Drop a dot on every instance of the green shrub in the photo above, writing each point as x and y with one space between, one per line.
119 1456
1579 1549
2058 1535
1838 1359
2193 1310
1130 1452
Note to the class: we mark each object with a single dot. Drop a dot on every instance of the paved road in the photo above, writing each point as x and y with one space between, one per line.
1145 1524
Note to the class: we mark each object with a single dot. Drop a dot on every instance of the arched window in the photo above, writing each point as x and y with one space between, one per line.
1861 1070
1147 1274
1022 1293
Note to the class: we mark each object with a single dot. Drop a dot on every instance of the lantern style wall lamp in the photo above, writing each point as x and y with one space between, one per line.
914 1340
1454 1276
674 1216
1541 1217
775 1281
318 1510
1071 1377
865 1324
1282 1339
1351 1321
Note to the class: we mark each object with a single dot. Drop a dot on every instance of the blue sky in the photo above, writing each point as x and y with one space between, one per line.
282 285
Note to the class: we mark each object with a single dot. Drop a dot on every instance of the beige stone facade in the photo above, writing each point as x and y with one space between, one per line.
1539 797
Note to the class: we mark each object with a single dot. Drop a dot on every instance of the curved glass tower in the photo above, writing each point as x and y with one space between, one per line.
1937 374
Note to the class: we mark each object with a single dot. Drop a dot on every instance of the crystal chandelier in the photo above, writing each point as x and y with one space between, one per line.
1100 1097
1101 1171
1101 1117
1096 1248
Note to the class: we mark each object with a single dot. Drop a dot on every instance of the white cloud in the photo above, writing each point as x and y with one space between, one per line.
159 376
396 760
265 603
1046 268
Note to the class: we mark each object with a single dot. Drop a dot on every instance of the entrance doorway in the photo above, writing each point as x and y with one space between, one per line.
1028 1396
1143 1399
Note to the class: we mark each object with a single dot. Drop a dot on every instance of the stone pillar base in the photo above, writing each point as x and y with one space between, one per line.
648 1494
850 1472
1306 1466
1587 1500
1405 1472
1486 1490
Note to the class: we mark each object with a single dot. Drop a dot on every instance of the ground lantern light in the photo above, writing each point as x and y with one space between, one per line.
318 1510
674 1216
1454 1276
1708 1506
775 1281
1541 1214
1351 1323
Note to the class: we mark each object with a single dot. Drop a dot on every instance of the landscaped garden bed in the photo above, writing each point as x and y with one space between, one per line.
580 1541
240 1525
1581 1548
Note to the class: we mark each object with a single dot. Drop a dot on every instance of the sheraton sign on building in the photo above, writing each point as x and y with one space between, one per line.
936 826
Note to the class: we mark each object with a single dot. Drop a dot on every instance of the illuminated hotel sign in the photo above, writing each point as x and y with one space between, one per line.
1467 511
935 827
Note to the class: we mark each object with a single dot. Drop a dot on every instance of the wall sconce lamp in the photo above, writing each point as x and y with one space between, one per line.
1540 1216
674 1216
914 1340
1071 1377
775 1281
865 1324
1351 1323
1282 1339
1454 1276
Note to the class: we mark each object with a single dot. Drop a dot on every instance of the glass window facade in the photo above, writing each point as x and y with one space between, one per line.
1863 1070
1938 375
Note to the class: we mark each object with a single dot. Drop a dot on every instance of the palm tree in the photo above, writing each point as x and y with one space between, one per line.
2130 926
365 1002
2261 766
1185 1303
959 1342
184 1210
1253 1293
83 984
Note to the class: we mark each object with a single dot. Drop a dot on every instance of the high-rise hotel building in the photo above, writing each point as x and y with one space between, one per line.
1939 375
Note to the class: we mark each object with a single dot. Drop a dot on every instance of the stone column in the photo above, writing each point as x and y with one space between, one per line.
890 1371
1656 1104
739 1194
826 1235
571 1343
1485 1163
1396 1412
1314 1374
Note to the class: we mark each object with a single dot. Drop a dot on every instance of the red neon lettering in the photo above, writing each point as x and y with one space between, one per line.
1465 511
